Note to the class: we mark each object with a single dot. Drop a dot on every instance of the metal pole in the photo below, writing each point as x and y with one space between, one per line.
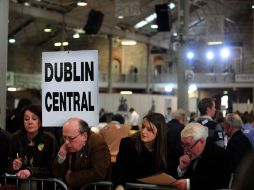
149 47
110 65
4 11
182 83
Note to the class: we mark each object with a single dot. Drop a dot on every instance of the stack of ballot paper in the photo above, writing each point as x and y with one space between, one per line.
159 179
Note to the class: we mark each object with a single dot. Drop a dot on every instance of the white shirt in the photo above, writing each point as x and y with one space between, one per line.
134 119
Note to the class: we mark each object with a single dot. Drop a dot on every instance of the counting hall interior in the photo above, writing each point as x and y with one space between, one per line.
215 39
152 55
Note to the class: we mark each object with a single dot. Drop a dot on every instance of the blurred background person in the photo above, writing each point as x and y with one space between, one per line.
219 119
113 132
193 117
168 115
174 128
134 119
12 121
102 116
238 144
248 128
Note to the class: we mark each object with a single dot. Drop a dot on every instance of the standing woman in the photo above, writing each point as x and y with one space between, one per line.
32 149
143 154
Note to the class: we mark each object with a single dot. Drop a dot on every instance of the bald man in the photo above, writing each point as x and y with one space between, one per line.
83 158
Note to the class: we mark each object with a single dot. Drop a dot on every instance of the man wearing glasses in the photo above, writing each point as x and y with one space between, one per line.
204 164
83 158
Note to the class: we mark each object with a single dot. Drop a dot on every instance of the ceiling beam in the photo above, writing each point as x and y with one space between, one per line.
20 27
74 22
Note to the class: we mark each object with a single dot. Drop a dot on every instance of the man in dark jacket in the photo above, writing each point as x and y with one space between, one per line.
203 165
238 145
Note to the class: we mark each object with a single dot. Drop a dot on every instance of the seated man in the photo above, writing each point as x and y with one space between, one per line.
83 158
238 144
204 164
113 132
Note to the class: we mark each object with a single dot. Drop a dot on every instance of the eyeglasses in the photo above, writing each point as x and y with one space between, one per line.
70 139
192 146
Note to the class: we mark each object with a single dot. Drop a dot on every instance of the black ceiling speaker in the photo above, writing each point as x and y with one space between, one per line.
163 17
94 22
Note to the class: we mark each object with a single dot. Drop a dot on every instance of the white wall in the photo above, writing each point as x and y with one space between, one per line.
142 103
242 107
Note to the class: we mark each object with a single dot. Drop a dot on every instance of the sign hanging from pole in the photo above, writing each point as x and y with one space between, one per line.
70 87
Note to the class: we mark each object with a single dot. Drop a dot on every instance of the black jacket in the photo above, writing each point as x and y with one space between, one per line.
238 147
174 128
211 171
215 133
131 166
4 150
38 159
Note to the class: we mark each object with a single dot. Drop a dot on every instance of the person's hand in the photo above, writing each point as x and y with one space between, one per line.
119 187
180 184
17 164
63 150
184 162
23 174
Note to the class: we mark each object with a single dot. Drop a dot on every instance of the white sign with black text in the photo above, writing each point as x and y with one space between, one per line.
70 87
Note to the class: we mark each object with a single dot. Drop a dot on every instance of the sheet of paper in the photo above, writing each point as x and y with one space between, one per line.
159 179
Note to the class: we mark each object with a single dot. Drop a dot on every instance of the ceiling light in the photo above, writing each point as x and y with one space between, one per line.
65 43
79 30
172 5
12 89
82 3
168 88
27 4
47 29
57 44
76 35
192 88
225 53
126 92
190 55
147 20
151 17
154 26
141 24
128 42
12 40
209 55
214 43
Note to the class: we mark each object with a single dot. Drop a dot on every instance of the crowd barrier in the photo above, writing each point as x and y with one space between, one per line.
42 184
140 186
6 181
